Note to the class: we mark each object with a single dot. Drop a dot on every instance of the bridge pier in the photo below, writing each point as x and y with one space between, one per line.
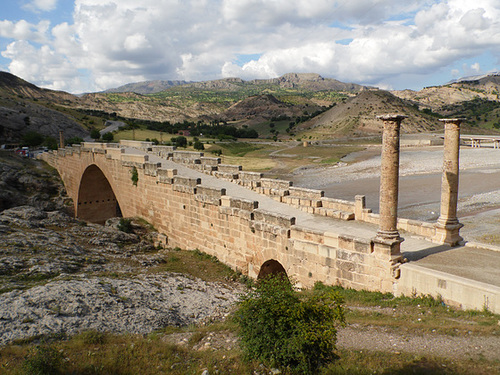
447 226
388 235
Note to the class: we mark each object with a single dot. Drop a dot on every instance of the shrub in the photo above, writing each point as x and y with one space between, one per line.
289 330
43 360
134 176
108 137
125 225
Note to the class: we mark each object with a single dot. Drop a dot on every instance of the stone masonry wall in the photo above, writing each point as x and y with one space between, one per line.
238 232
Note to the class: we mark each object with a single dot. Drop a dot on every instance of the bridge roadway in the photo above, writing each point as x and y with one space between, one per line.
474 264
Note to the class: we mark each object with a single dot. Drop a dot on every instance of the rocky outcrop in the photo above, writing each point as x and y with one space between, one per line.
59 275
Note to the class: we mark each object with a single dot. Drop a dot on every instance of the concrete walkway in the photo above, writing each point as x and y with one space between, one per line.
474 264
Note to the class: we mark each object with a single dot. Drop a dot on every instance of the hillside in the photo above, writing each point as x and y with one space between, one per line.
358 116
23 108
261 108
435 97
146 87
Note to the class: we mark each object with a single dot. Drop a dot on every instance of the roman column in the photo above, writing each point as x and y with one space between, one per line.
61 139
447 226
389 178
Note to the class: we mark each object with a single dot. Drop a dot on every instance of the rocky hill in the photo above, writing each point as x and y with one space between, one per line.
23 108
147 87
358 116
435 97
309 81
260 108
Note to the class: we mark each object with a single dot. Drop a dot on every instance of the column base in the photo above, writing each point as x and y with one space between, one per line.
390 247
448 232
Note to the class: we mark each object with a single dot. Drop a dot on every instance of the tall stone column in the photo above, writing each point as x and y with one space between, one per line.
61 139
389 178
387 242
447 226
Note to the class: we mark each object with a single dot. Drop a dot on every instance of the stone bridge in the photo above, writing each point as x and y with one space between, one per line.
259 225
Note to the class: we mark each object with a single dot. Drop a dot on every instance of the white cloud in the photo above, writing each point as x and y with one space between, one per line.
41 5
42 65
120 41
23 30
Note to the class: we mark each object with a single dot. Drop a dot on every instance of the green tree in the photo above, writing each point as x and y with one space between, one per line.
180 141
51 143
32 139
108 137
74 140
295 332
198 146
95 134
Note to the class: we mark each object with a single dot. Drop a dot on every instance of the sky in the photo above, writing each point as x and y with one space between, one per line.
92 45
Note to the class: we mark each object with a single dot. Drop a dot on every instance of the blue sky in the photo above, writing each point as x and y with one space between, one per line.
91 45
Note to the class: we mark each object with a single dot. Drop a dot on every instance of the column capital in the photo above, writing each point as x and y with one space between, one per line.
457 120
392 117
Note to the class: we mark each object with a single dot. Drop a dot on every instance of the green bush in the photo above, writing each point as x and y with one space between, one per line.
108 137
134 176
295 332
125 225
95 134
43 360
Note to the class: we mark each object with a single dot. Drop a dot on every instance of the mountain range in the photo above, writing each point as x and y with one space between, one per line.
323 107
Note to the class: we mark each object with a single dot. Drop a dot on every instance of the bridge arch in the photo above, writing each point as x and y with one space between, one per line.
271 267
96 201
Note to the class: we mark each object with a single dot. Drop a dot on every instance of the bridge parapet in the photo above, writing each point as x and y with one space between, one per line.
251 180
186 184
144 146
187 157
166 176
166 152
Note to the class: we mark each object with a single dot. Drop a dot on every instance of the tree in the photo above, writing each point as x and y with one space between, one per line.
198 146
108 137
32 139
74 140
180 141
95 134
283 328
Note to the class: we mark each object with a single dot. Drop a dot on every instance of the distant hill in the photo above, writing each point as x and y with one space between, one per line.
465 89
23 108
13 85
475 98
358 116
261 108
309 81
147 87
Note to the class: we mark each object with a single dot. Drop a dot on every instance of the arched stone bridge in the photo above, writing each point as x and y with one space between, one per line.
252 223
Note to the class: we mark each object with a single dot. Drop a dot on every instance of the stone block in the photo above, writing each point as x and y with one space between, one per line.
274 218
308 194
269 183
209 195
151 169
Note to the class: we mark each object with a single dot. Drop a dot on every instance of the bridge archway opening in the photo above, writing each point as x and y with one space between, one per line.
96 200
271 267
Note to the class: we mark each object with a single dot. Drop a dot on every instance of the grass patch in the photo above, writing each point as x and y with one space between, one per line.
417 314
198 264
152 354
